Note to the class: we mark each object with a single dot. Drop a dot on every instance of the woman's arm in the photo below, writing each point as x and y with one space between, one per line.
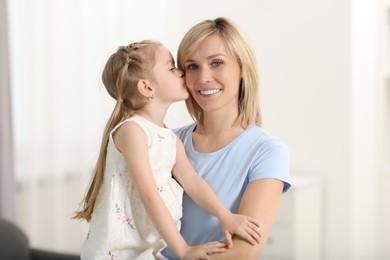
260 201
243 226
131 140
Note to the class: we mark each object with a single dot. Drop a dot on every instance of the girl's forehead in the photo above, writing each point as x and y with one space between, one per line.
163 51
164 56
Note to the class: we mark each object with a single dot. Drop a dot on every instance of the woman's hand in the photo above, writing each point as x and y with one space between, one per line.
201 251
243 226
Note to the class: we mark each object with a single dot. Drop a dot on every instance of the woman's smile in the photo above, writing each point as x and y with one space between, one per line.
209 92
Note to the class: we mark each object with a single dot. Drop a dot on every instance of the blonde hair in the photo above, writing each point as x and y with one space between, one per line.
121 73
238 45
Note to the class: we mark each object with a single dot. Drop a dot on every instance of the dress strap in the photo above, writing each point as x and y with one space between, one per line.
119 125
136 119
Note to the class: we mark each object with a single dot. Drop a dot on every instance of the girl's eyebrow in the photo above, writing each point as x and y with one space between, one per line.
170 61
208 57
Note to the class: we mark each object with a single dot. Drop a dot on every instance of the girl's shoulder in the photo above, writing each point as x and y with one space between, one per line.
133 119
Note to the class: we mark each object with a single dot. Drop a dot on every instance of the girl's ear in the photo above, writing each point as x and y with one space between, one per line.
144 88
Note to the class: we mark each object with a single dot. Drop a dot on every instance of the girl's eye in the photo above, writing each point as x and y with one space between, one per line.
191 66
216 63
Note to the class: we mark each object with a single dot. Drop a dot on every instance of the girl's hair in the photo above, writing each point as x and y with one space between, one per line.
238 45
121 73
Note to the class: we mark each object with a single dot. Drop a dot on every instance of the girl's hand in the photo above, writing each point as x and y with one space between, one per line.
245 227
201 251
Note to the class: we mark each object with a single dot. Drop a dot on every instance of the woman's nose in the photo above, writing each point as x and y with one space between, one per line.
204 75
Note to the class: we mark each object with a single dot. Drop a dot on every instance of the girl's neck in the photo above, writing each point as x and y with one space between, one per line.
155 116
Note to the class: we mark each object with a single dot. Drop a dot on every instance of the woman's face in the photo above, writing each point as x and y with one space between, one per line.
213 75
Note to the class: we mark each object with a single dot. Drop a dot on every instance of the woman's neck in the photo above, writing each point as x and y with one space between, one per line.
219 121
215 132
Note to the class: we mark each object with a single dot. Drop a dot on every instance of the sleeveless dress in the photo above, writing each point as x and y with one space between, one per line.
120 228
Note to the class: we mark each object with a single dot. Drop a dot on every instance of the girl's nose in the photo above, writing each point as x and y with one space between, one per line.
181 73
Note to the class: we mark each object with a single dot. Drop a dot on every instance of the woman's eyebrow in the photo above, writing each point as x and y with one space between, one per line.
215 55
208 57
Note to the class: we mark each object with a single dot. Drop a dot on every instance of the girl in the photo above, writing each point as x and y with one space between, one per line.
133 204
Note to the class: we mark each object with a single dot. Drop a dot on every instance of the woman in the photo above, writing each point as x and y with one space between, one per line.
246 167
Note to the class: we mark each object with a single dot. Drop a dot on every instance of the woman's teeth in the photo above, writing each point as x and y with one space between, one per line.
209 91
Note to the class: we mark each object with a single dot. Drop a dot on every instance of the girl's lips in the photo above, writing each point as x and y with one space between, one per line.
209 91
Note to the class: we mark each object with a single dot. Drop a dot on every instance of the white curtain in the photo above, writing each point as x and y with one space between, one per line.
7 184
58 50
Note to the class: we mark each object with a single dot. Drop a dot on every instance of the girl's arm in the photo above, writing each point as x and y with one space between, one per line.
131 140
243 226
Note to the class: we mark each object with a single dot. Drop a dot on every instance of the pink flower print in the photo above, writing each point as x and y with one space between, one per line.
160 137
120 212
117 174
112 256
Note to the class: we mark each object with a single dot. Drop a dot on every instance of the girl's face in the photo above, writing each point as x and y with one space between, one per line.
168 80
213 75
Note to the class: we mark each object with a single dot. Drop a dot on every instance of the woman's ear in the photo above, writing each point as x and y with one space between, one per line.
144 88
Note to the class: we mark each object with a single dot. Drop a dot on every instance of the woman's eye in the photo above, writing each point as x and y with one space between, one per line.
216 63
191 66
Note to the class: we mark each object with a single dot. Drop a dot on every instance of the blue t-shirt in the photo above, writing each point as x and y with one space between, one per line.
251 156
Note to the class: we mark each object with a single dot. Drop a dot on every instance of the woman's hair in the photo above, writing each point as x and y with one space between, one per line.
238 45
123 70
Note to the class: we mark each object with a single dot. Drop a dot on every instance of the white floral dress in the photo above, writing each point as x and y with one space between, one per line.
120 227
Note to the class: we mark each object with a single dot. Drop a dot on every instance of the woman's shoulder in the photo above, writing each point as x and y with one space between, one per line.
263 142
261 135
271 157
184 131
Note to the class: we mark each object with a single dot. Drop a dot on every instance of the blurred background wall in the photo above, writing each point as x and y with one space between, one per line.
325 91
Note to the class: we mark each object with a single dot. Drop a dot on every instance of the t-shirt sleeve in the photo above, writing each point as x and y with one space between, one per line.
272 161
